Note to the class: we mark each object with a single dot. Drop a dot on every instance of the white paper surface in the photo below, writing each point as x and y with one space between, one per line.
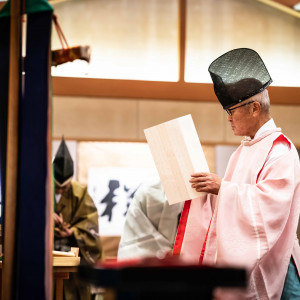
177 153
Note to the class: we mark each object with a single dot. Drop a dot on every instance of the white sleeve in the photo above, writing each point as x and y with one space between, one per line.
151 223
140 238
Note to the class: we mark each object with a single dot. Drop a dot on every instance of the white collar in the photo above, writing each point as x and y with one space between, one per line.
57 197
269 125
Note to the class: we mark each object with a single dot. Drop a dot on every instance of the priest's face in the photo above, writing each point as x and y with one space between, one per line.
62 189
241 119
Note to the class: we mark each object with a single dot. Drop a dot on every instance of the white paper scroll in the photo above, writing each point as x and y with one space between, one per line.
177 154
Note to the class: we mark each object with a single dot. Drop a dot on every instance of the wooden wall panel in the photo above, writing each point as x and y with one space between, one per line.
112 155
210 155
122 155
288 118
208 117
82 118
91 118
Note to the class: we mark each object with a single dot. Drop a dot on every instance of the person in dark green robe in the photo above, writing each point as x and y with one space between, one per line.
76 221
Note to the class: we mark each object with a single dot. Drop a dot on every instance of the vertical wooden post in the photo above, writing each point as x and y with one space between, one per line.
182 5
49 237
12 151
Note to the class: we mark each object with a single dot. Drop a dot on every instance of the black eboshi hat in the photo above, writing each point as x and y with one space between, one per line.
63 165
238 75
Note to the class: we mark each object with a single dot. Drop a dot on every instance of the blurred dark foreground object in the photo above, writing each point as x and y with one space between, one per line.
168 278
68 54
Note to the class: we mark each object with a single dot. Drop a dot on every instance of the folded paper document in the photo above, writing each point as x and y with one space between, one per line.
177 153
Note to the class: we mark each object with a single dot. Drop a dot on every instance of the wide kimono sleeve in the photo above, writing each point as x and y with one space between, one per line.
84 223
150 224
253 220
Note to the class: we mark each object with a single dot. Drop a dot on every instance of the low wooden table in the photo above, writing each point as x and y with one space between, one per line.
62 267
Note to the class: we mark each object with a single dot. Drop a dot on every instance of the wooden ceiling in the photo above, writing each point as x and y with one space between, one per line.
283 5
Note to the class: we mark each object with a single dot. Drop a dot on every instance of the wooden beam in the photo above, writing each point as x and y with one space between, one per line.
12 152
281 7
49 234
135 89
132 89
284 95
288 3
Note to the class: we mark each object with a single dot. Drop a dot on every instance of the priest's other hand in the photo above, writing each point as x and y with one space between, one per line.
206 182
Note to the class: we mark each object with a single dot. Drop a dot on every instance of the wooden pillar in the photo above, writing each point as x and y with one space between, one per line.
182 7
12 151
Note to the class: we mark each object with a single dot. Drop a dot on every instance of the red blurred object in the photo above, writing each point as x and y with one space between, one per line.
167 261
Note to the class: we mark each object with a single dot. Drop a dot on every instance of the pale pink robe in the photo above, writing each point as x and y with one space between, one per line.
254 218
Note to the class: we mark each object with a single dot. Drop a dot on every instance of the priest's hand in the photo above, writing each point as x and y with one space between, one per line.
206 182
63 232
66 232
58 220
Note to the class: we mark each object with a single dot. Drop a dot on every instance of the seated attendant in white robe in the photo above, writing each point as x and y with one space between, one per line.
151 224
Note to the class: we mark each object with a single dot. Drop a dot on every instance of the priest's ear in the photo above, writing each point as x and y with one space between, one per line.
256 108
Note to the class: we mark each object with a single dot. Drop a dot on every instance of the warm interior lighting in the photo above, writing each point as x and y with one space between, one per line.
122 66
215 27
139 39
128 39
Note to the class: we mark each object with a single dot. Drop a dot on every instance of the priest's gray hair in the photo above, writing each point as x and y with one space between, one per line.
264 101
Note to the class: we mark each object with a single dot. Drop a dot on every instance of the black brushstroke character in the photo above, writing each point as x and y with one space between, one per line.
129 197
108 199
